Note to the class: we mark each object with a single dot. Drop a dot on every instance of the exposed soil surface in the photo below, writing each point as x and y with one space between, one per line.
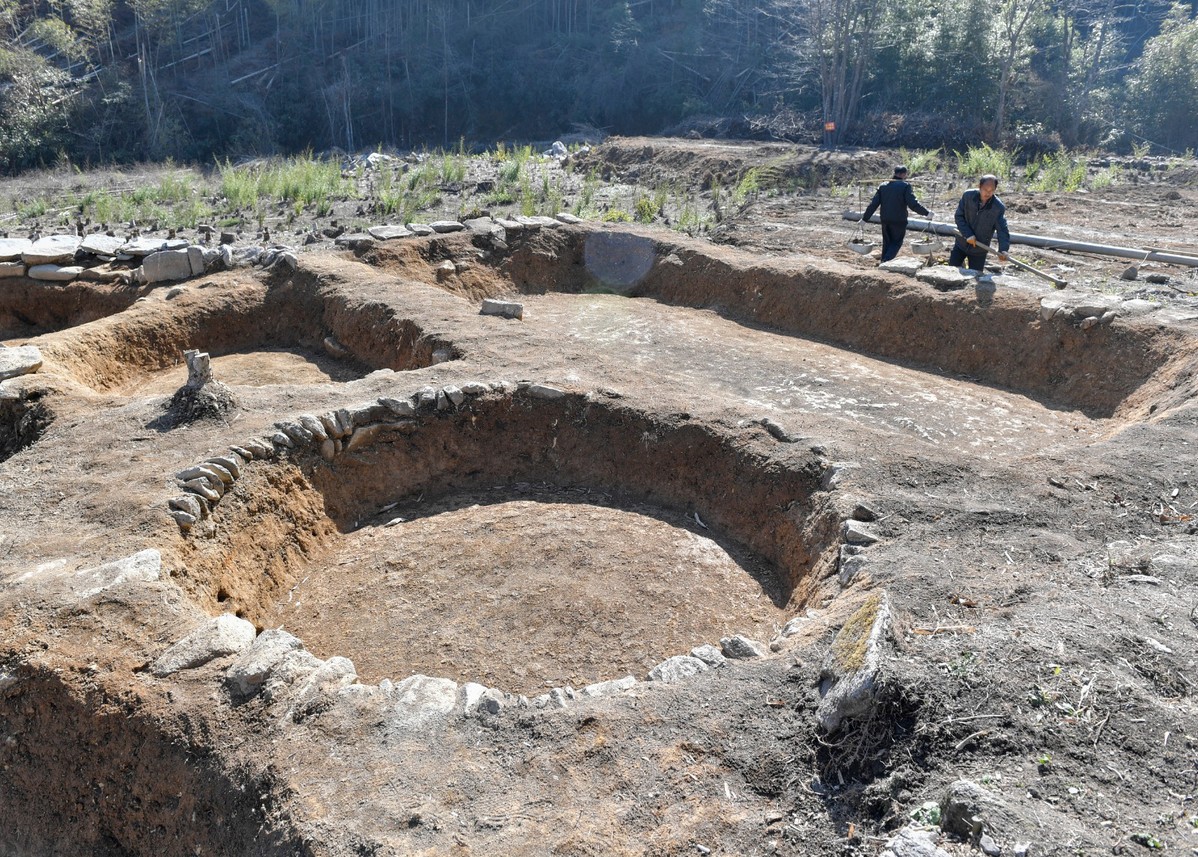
662 453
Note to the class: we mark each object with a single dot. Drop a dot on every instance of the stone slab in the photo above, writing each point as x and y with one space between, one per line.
389 233
54 273
52 250
99 244
21 360
14 249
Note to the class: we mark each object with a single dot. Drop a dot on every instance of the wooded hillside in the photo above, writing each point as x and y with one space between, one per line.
116 80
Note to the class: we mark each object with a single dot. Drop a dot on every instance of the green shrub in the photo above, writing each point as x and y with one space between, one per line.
981 160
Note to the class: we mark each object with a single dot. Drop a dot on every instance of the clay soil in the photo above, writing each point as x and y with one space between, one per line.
730 400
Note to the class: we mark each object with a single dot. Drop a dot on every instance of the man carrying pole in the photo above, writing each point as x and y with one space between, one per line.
979 215
894 197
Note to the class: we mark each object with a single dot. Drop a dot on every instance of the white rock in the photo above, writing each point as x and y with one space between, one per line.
856 533
388 233
902 265
420 700
445 226
144 566
12 269
224 635
21 360
249 672
99 244
145 245
738 647
54 273
165 266
544 391
677 668
606 688
52 250
506 309
709 655
14 249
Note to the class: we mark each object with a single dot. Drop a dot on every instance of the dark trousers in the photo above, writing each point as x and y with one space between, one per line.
892 239
977 261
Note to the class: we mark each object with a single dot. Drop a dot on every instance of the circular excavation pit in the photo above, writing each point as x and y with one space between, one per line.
291 332
519 543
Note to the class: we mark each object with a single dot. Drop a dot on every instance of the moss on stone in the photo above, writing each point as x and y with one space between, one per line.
851 645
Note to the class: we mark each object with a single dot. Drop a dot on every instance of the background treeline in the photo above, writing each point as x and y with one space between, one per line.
117 80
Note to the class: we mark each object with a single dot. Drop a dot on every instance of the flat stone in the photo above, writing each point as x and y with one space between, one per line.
677 668
52 250
544 391
165 266
249 672
1136 306
20 360
850 673
446 226
738 647
421 229
225 635
99 244
145 245
568 218
507 309
354 240
538 221
54 273
14 249
389 233
483 226
144 566
195 257
902 265
856 533
606 688
12 269
944 278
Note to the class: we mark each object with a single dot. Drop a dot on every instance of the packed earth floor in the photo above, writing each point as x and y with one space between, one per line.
737 546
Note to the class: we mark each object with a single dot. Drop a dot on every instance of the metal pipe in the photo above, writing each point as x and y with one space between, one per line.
915 224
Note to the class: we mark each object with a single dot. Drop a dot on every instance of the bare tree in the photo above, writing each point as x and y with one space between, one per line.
837 40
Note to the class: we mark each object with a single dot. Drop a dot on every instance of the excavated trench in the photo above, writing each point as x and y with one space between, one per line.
1122 370
31 308
514 539
327 339
92 776
521 541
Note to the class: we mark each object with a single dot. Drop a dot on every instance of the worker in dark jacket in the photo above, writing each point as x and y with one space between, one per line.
894 197
979 215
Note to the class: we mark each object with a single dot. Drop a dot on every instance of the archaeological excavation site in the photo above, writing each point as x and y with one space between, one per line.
574 538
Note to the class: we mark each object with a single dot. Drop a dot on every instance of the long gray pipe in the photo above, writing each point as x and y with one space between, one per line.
915 224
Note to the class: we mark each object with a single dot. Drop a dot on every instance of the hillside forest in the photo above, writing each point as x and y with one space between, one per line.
112 81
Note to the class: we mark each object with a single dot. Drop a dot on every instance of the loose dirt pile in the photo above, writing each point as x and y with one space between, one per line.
687 460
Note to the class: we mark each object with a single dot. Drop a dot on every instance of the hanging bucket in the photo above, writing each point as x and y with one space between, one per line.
861 245
926 248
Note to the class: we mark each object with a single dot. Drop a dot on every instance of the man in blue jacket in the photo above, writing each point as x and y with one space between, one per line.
979 215
894 197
